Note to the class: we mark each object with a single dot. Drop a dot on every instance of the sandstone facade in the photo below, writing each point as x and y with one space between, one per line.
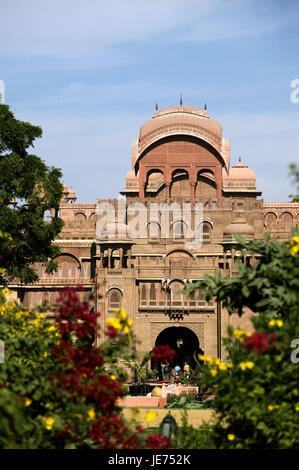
180 157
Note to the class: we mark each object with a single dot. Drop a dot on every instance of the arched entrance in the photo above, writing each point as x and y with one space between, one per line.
182 340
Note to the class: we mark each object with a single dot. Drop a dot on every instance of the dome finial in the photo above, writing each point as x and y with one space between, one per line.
205 106
240 159
157 107
181 100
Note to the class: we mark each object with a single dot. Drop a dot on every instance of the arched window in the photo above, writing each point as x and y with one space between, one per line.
153 230
178 229
206 232
80 217
64 271
153 294
176 299
271 220
143 295
73 266
287 221
114 299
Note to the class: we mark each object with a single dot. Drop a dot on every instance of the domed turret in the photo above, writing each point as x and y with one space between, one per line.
240 227
71 196
239 177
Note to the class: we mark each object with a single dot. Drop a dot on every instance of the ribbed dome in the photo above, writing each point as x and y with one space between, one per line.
240 172
181 120
241 227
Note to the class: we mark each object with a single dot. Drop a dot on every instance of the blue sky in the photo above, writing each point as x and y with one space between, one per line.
90 73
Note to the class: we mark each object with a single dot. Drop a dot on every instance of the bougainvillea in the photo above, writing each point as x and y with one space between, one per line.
68 390
163 353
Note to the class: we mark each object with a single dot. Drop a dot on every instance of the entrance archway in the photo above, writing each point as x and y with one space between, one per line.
182 340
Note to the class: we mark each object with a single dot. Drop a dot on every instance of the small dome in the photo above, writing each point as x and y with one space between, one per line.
131 175
241 227
240 172
71 194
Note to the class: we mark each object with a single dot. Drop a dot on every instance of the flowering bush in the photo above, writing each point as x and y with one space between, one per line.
62 391
163 353
256 386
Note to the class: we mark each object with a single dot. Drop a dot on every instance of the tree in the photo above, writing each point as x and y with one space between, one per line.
28 189
294 173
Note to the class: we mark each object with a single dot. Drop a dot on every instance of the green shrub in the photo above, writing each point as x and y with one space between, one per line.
257 396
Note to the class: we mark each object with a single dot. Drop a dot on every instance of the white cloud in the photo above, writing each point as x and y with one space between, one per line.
73 28
94 151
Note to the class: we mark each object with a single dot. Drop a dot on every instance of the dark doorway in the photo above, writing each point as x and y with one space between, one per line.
183 341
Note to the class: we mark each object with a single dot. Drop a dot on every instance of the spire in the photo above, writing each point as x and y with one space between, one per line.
181 100
157 107
240 159
205 106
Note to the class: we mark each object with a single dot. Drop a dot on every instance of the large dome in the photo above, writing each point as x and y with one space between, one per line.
179 120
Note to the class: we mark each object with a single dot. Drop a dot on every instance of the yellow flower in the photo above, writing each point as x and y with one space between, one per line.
122 315
229 365
78 415
49 423
246 365
274 322
45 354
52 328
7 291
230 437
91 415
273 407
293 246
151 415
112 377
242 389
115 323
296 408
222 366
214 372
27 402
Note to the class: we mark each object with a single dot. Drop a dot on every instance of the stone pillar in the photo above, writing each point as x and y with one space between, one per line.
142 181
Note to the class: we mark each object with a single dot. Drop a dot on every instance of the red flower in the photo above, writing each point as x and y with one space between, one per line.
259 342
163 353
157 441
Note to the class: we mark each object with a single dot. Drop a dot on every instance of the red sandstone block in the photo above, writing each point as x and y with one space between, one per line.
149 402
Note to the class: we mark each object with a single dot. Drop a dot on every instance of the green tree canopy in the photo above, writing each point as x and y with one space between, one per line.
28 189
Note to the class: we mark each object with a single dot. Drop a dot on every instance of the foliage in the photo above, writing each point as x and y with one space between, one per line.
57 389
28 188
139 369
294 172
257 397
188 437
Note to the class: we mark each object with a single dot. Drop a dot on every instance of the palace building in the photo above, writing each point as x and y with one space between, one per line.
180 159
